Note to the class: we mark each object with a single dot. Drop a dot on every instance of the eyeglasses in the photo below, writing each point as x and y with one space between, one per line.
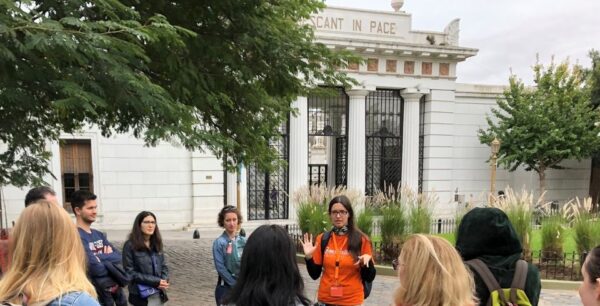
229 208
339 212
396 264
149 222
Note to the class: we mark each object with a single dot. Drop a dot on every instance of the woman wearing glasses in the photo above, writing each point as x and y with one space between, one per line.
144 261
345 261
227 251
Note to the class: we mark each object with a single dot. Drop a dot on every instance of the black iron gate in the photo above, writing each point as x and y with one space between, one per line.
328 116
317 174
268 191
384 111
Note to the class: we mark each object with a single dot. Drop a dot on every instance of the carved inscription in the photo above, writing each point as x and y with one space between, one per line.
354 25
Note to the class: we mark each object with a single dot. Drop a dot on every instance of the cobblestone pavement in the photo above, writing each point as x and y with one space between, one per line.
193 276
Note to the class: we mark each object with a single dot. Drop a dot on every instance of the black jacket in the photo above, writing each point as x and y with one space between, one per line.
487 234
138 265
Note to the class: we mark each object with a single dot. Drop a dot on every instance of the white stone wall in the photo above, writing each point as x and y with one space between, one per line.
129 178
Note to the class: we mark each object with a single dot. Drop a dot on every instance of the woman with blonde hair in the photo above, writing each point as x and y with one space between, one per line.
47 261
432 274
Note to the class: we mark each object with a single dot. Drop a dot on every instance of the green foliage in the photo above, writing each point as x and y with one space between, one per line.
364 221
553 234
594 78
217 75
584 222
393 224
521 218
312 204
586 230
313 218
541 126
420 219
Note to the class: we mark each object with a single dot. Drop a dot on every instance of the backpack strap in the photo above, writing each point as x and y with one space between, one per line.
488 278
519 279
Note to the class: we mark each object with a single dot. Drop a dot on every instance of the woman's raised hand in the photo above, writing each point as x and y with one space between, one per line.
307 245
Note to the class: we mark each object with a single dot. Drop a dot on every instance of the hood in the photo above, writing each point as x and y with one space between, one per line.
486 231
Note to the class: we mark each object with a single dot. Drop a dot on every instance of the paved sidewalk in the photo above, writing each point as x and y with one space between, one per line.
193 276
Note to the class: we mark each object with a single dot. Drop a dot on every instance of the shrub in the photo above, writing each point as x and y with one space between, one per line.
519 207
586 230
552 237
364 221
311 206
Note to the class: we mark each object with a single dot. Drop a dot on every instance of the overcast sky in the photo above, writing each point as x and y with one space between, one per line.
508 33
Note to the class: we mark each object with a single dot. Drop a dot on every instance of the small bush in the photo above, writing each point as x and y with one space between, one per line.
364 221
552 236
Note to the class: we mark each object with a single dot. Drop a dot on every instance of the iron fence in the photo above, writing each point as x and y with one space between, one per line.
552 265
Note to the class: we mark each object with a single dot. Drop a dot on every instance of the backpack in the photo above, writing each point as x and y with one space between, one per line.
367 286
513 296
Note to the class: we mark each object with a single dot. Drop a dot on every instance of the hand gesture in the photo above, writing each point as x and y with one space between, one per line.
363 260
107 249
307 245
164 284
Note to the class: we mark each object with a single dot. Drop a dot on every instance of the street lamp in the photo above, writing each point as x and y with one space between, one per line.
495 145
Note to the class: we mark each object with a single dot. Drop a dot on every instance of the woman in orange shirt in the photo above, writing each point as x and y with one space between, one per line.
346 260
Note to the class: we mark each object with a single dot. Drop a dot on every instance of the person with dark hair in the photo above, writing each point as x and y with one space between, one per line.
32 196
102 257
589 291
487 234
40 193
346 260
269 274
144 261
227 250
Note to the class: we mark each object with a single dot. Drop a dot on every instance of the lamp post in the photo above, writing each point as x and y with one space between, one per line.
495 145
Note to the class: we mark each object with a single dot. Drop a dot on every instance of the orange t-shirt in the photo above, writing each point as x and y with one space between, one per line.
348 275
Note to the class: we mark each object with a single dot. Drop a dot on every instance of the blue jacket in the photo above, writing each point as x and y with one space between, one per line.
76 298
219 255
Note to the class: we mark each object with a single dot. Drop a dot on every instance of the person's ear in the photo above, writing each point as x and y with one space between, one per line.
77 211
597 291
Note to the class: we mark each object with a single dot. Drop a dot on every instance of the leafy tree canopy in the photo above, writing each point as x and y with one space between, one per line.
215 74
541 126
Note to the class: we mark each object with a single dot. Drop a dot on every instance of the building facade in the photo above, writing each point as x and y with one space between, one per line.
407 122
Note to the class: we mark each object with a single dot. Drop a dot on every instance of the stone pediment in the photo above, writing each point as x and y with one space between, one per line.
390 34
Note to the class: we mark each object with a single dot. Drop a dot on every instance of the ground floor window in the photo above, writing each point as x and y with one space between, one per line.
76 168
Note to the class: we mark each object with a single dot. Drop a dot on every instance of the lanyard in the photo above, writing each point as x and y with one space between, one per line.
338 255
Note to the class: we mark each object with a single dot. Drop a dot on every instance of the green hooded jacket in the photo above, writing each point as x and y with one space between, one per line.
487 234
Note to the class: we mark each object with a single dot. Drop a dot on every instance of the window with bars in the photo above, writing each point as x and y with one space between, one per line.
76 168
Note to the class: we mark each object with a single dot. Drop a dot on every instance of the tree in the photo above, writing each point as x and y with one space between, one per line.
543 125
218 74
594 77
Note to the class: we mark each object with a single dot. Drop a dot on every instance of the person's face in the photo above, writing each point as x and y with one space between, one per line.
88 212
231 222
148 226
589 291
339 215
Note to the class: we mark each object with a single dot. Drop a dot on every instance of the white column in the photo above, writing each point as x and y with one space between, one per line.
231 188
410 138
298 159
356 140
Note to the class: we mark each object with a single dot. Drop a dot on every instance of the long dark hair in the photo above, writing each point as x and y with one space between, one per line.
137 237
269 274
592 267
354 233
